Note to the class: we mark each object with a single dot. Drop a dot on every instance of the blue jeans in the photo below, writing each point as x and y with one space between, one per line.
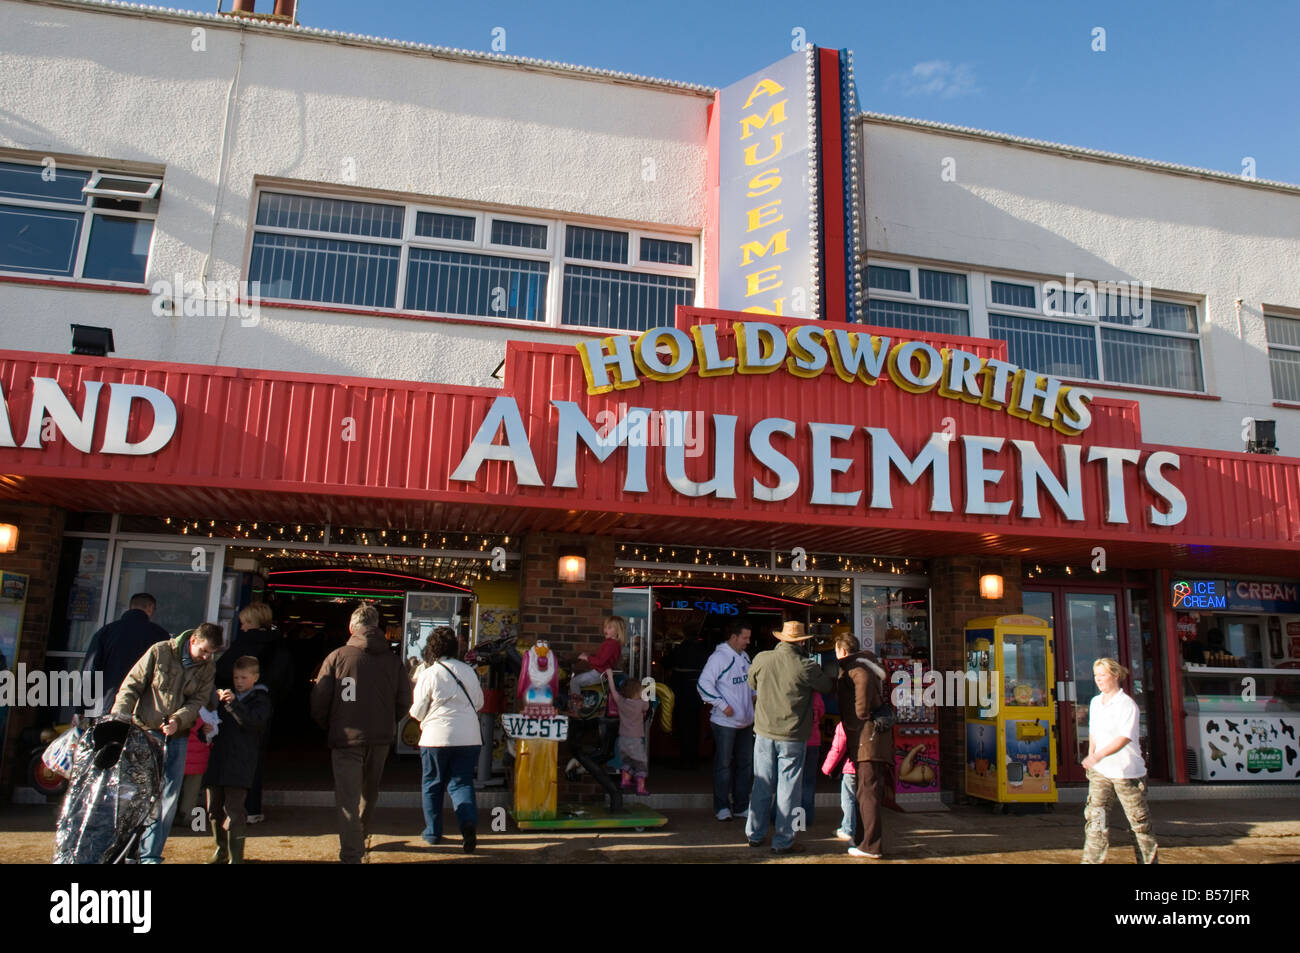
448 770
849 804
732 744
778 772
811 761
155 835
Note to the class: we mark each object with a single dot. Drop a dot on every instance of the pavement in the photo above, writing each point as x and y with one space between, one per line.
1240 831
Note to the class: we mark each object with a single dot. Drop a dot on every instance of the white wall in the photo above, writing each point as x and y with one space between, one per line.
1027 210
132 88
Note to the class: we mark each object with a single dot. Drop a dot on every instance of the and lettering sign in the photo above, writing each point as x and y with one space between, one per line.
51 412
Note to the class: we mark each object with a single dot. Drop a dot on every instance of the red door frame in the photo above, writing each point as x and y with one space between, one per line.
1068 768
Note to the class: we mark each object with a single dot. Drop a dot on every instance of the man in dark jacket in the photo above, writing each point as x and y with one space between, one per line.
245 715
115 648
360 694
861 691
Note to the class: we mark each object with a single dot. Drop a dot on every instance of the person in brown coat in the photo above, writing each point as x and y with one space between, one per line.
360 693
861 690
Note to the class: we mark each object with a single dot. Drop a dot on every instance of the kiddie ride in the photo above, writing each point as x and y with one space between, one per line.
537 731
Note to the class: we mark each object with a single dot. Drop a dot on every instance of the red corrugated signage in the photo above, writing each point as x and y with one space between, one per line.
719 417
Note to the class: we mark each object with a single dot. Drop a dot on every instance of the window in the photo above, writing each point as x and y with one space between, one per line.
1114 334
64 222
625 298
1284 355
466 263
893 304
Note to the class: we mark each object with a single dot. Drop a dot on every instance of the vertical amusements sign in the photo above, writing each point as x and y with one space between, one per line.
768 191
789 197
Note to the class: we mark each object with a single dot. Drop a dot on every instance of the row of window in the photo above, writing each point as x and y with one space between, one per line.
98 224
1112 334
56 222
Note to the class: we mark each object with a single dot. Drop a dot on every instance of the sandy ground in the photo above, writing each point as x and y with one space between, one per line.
1192 832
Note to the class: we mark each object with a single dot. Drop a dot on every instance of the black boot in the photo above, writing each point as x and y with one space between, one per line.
222 854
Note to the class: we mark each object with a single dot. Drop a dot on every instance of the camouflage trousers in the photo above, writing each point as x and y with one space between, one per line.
1132 796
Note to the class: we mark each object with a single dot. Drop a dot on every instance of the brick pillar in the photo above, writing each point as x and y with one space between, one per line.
40 536
955 591
566 614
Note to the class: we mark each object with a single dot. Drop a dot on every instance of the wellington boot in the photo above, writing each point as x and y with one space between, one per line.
222 837
236 850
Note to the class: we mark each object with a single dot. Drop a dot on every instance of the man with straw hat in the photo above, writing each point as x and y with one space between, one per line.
784 680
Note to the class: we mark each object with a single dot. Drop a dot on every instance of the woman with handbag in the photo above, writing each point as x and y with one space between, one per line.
865 716
447 699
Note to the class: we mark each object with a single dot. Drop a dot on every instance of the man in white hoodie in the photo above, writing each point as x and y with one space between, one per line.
724 684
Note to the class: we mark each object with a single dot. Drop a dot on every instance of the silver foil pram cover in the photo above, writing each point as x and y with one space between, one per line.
106 807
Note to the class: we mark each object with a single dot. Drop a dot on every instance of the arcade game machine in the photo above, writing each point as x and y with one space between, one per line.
424 612
1010 746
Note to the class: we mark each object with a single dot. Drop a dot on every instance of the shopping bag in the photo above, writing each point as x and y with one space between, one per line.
60 752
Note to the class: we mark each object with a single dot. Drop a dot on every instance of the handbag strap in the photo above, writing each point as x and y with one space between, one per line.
468 697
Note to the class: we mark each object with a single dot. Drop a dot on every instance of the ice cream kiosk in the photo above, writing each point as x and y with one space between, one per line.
1010 712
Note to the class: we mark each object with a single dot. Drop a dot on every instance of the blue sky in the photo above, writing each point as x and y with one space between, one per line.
1198 82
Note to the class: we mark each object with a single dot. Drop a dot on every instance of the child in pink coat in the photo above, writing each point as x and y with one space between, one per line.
837 757
196 763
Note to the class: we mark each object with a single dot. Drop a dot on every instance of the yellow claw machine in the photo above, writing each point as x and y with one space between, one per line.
1010 712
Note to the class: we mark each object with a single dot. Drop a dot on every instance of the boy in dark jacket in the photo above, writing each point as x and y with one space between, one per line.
245 713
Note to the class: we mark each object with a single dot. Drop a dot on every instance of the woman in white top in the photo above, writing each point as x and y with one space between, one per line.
1115 768
447 699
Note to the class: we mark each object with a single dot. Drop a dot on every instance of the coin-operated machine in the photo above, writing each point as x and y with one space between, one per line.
1010 713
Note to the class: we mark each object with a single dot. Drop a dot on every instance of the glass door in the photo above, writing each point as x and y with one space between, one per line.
1088 625
183 578
1091 632
635 605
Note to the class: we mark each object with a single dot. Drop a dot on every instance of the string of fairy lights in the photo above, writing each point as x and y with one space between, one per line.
451 554
283 532
641 563
281 544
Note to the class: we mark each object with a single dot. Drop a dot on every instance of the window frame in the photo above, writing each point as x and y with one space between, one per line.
914 295
553 254
1278 313
1095 322
88 212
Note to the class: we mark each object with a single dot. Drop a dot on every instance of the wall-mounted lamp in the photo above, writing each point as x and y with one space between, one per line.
573 564
8 537
990 586
97 342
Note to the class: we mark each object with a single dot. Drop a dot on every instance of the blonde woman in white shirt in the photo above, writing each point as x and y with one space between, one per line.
1115 768
447 699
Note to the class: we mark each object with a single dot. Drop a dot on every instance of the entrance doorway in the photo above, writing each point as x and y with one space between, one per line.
1091 622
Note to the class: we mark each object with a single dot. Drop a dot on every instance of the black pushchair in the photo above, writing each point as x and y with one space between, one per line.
116 785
